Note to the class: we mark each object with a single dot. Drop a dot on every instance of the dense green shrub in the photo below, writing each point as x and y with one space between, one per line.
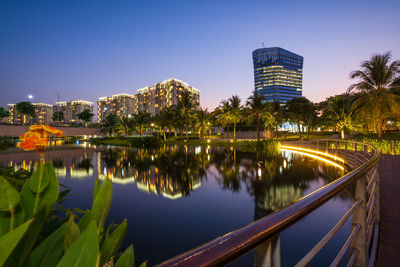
25 239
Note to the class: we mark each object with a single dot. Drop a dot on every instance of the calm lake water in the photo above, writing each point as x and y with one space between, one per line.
176 198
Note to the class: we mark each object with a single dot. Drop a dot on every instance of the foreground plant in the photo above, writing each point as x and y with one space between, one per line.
77 241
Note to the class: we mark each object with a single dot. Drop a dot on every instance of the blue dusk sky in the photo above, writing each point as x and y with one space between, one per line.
88 49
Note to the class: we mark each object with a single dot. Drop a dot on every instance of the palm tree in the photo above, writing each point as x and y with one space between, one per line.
126 125
186 106
342 109
224 116
277 111
203 120
168 115
269 119
109 124
85 116
297 108
257 107
141 120
26 109
376 79
309 115
235 111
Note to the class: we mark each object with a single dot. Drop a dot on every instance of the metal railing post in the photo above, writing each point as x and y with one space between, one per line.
268 254
359 243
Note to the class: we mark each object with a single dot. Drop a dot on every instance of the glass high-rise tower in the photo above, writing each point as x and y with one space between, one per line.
278 74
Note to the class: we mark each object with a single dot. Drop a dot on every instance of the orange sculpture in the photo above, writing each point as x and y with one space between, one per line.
37 137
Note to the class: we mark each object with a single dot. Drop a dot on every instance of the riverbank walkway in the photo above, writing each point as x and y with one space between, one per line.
389 239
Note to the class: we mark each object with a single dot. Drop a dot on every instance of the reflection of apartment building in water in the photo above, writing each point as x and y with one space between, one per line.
149 181
150 99
121 105
72 108
43 114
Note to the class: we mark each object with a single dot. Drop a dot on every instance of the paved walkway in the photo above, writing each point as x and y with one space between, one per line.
389 239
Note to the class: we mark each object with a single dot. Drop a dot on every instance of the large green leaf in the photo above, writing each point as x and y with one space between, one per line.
10 240
5 220
96 188
84 221
127 259
32 201
102 203
49 251
113 242
71 234
24 248
39 179
84 251
9 197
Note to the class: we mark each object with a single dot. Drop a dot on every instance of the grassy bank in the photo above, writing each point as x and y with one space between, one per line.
152 141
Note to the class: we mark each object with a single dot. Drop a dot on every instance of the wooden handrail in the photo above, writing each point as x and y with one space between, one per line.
231 246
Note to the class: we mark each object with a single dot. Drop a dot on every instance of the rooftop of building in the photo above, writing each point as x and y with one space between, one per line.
185 85
279 50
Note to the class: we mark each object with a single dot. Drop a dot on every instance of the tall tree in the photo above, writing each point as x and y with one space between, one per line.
257 107
342 110
85 116
4 113
235 111
297 108
224 116
58 116
186 107
26 109
376 79
126 125
109 124
203 121
168 114
277 110
142 120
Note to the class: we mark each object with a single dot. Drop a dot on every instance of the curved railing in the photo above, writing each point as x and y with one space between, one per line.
362 160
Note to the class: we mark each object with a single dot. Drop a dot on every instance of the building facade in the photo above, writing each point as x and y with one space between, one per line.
121 105
43 114
164 94
278 74
72 108
151 99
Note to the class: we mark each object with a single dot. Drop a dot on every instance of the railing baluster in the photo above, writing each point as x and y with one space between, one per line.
352 236
359 218
311 254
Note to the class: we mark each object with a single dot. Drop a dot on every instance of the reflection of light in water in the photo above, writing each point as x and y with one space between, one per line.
81 173
259 172
172 196
127 180
197 150
61 171
315 157
312 151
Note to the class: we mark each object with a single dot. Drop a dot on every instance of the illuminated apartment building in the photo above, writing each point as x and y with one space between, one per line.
164 94
72 108
43 114
121 105
150 99
278 74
